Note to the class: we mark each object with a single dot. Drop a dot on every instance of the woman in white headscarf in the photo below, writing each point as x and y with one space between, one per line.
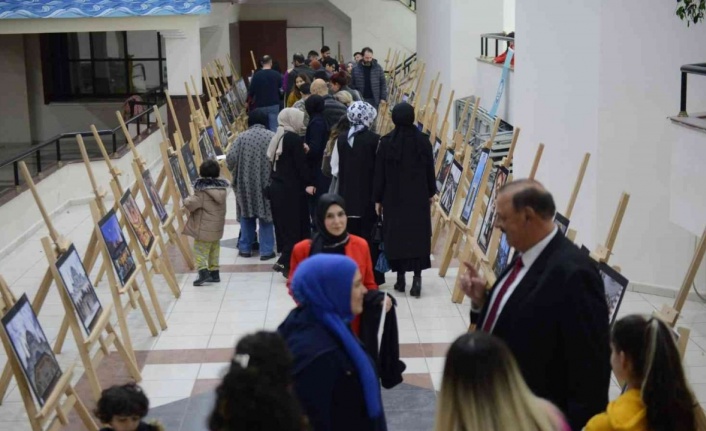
291 183
353 162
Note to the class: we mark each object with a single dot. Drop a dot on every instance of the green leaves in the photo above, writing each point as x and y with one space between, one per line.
691 11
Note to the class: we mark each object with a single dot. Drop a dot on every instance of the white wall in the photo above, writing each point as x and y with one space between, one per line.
508 15
381 25
215 32
487 80
337 27
14 110
580 94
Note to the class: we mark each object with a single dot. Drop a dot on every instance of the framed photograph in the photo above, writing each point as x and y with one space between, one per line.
212 136
206 146
32 349
445 169
191 169
154 195
242 90
615 285
117 246
225 105
561 222
420 126
486 228
178 177
78 285
504 256
450 188
412 95
437 148
137 222
475 184
222 130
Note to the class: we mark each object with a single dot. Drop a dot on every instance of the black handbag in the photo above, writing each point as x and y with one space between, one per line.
376 234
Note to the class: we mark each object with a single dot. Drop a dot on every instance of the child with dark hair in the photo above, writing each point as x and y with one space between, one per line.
207 219
255 394
644 356
122 408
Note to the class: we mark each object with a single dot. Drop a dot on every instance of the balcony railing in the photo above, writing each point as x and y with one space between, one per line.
694 69
497 37
411 4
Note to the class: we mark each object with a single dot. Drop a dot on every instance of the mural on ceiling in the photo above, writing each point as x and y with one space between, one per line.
14 9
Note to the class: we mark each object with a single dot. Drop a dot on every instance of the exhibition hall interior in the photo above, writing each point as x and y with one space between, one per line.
534 182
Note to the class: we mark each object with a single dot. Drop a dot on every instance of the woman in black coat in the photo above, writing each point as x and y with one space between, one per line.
317 133
403 190
334 378
291 184
353 162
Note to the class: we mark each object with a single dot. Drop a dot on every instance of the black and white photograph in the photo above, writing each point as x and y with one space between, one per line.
226 107
561 222
178 177
78 285
190 163
118 248
450 188
242 91
32 349
206 146
445 169
486 228
475 184
437 148
222 130
154 196
503 257
615 285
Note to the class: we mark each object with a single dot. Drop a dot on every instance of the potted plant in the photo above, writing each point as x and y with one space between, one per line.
691 11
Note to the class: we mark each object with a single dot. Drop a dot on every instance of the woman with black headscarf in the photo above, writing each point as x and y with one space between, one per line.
332 237
404 187
316 137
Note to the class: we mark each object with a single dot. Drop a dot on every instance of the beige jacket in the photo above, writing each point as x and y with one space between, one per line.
207 208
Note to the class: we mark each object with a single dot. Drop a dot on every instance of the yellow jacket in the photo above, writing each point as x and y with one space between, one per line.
627 413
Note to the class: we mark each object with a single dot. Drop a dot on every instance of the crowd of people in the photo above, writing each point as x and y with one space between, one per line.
314 185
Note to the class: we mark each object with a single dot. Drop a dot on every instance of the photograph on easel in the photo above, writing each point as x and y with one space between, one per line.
475 184
504 256
154 196
212 137
78 285
561 222
486 228
206 146
420 126
190 163
242 89
445 169
437 148
222 130
32 349
615 285
178 177
117 246
137 222
226 107
450 188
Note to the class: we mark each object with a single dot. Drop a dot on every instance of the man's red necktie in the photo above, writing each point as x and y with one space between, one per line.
493 312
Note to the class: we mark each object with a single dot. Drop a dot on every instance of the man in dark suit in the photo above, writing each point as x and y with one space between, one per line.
548 306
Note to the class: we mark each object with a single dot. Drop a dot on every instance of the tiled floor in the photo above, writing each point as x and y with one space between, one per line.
182 365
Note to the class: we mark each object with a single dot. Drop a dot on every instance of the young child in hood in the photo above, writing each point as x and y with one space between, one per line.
207 218
122 408
645 358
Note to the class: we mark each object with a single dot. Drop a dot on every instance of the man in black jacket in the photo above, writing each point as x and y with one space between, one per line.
369 79
548 306
300 68
264 90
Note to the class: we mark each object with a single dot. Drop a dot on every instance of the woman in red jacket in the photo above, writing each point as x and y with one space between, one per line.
332 237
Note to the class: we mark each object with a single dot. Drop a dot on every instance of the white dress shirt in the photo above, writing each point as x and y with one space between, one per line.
528 258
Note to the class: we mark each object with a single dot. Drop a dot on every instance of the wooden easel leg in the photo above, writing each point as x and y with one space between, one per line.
90 371
457 296
158 262
128 356
101 273
5 380
436 229
42 292
104 345
82 411
148 317
448 252
61 337
183 245
153 297
91 252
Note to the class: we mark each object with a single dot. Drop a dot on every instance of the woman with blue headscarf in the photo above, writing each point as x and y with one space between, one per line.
334 378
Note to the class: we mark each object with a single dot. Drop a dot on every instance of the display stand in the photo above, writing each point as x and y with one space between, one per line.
54 411
535 163
430 115
101 328
444 131
571 233
472 252
172 188
423 107
174 116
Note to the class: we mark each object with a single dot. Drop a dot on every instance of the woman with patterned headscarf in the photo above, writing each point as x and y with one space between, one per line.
353 162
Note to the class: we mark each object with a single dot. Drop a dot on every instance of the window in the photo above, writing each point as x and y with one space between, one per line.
101 65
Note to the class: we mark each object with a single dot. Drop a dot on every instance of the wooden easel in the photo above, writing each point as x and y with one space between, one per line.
421 109
54 411
172 188
102 328
431 116
571 233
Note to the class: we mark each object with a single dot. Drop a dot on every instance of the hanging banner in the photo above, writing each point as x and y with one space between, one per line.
15 9
501 87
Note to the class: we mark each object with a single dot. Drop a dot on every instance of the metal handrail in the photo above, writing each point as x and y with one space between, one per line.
405 66
411 4
694 69
497 37
56 140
